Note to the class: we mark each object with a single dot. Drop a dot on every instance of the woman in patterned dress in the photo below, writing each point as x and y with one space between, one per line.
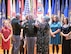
55 33
6 34
43 36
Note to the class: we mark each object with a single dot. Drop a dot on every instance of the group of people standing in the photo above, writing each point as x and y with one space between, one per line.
31 32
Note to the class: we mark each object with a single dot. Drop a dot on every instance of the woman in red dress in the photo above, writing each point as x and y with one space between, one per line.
6 35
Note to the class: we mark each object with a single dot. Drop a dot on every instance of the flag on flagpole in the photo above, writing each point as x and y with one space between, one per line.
3 10
31 6
62 10
26 8
49 11
69 5
13 9
17 7
46 7
58 7
40 9
53 5
66 9
62 7
9 8
22 5
70 11
22 8
0 8
0 15
55 8
35 8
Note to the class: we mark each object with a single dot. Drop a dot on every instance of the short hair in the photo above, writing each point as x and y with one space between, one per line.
29 16
26 17
46 18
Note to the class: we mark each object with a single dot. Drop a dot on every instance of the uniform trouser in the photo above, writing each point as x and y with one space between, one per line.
16 44
30 44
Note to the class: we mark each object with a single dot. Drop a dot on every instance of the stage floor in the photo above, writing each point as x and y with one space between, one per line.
50 50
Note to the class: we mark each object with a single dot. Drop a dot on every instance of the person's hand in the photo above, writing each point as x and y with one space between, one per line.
21 37
70 32
5 40
66 35
52 34
13 39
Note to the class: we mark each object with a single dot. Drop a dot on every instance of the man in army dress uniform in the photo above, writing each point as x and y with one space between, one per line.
30 33
16 34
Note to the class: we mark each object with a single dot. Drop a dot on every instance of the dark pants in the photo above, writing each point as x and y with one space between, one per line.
30 44
16 44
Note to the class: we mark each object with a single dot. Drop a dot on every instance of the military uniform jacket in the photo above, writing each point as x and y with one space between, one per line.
29 28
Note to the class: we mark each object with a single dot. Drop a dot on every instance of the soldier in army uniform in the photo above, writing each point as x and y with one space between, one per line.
30 33
43 36
16 34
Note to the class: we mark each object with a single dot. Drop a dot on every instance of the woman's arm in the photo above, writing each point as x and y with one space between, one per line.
2 36
69 33
59 28
57 31
65 35
51 33
10 34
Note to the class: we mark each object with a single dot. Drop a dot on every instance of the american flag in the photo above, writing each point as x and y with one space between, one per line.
40 9
22 8
27 8
35 8
13 9
9 8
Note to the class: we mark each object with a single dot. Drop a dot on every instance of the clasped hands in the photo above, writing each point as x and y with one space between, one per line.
52 34
66 35
5 39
